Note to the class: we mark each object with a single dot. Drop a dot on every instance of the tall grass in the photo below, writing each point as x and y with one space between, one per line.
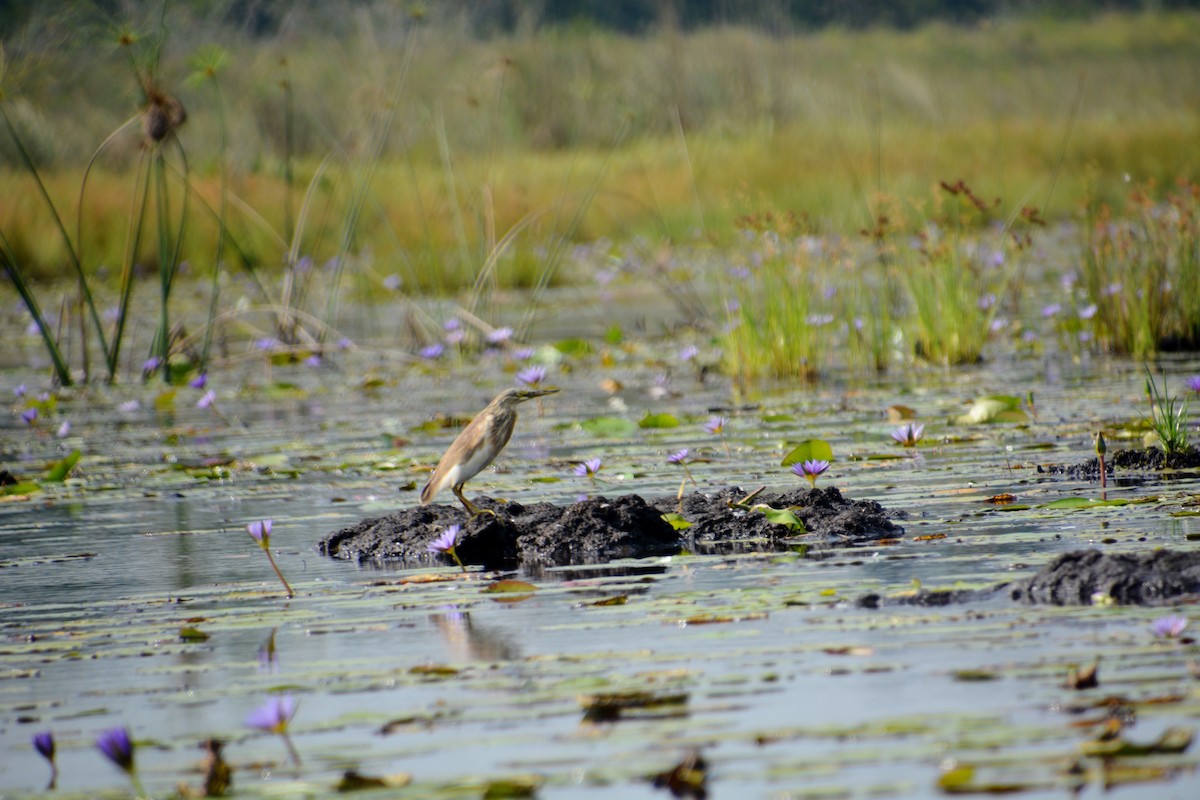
803 122
1141 270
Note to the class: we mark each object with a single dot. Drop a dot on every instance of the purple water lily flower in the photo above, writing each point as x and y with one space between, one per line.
588 468
532 376
19 390
1193 384
30 415
151 364
431 351
274 715
811 470
716 425
1168 627
500 335
261 531
44 743
200 381
678 457
446 542
207 400
117 747
909 434
689 352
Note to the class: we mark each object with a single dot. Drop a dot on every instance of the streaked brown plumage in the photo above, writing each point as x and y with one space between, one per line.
478 445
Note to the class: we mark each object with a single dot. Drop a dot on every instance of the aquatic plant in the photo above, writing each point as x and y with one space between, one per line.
275 716
1167 419
118 748
532 376
447 543
716 426
810 470
260 531
1169 627
775 329
909 434
43 743
588 469
680 457
1101 449
1142 271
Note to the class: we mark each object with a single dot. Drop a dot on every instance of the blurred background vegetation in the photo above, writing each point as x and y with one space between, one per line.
664 119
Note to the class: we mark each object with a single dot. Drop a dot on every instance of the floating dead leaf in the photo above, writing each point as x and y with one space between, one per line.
354 781
929 537
430 577
440 670
688 778
509 586
718 619
899 413
611 385
415 721
612 706
1172 741
974 675
1084 677
849 650
190 633
512 786
619 600
964 779
1001 499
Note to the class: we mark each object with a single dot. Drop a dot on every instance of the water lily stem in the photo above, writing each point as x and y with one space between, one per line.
292 754
282 579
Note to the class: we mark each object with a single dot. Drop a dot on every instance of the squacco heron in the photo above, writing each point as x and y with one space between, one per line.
478 445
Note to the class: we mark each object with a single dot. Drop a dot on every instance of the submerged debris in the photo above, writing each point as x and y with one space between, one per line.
602 529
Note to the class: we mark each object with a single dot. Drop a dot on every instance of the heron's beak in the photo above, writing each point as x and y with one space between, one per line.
529 394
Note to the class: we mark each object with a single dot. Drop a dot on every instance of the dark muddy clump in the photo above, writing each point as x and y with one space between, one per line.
925 598
601 529
1128 578
1148 459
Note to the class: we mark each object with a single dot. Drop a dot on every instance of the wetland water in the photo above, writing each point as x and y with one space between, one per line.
758 659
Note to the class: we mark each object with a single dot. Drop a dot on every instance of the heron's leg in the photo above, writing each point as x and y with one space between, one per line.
472 509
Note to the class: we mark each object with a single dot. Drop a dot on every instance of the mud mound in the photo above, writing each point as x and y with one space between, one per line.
1150 459
1128 578
601 529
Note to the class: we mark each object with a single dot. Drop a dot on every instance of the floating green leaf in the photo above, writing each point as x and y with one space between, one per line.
190 633
574 347
781 516
658 421
22 487
1087 502
609 427
60 469
996 408
809 450
677 521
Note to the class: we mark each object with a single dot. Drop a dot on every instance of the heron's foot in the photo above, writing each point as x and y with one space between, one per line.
473 509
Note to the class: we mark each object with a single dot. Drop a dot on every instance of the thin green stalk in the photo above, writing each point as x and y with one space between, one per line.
72 254
223 170
133 240
61 371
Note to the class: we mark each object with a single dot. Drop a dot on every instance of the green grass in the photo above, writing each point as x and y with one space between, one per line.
467 166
